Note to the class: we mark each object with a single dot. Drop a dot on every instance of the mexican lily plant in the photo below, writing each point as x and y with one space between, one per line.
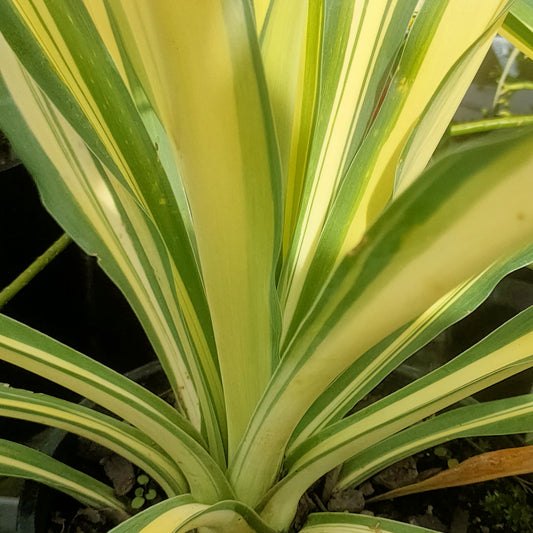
255 176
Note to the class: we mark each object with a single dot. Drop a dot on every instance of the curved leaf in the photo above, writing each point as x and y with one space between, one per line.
27 348
115 435
431 77
503 353
518 26
359 44
85 144
368 370
182 514
21 461
469 210
500 417
234 193
352 523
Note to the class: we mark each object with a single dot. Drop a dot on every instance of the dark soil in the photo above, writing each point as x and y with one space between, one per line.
504 505
131 485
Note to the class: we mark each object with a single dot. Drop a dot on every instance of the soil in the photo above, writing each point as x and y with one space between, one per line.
130 484
502 506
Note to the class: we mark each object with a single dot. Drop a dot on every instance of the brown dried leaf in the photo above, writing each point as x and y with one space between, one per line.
483 467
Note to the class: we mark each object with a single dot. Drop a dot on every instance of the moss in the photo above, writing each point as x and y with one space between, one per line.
507 505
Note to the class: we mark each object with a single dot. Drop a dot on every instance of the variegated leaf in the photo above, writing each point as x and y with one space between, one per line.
467 212
115 435
91 173
22 461
182 514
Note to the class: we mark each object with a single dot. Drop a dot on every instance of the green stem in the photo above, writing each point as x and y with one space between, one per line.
501 82
517 86
25 277
490 124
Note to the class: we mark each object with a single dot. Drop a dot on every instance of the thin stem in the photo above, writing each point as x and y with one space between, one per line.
517 86
25 277
490 124
501 83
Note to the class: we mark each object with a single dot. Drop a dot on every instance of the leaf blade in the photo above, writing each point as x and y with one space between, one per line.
503 353
27 348
518 26
352 306
352 523
476 469
115 435
118 229
235 193
21 461
426 85
372 367
182 514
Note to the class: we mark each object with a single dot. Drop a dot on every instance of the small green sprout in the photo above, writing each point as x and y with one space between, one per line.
143 493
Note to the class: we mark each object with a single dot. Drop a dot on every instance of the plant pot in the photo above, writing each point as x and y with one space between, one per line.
34 503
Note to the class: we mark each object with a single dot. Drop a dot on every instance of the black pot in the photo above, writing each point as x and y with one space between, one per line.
33 511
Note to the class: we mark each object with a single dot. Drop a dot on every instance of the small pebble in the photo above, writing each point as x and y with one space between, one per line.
350 500
399 474
367 488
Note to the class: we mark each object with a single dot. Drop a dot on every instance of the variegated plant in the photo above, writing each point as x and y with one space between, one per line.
254 176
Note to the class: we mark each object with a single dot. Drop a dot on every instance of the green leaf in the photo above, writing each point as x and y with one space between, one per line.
431 77
260 11
85 144
466 212
352 523
137 502
143 479
359 44
303 119
284 53
503 353
21 461
518 26
234 194
369 369
151 494
109 432
182 514
33 351
500 417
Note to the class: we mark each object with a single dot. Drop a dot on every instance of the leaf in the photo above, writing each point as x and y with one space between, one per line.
115 435
284 43
234 194
500 417
427 85
467 211
357 45
260 11
89 148
503 353
182 514
352 523
37 353
21 461
518 26
368 370
483 467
